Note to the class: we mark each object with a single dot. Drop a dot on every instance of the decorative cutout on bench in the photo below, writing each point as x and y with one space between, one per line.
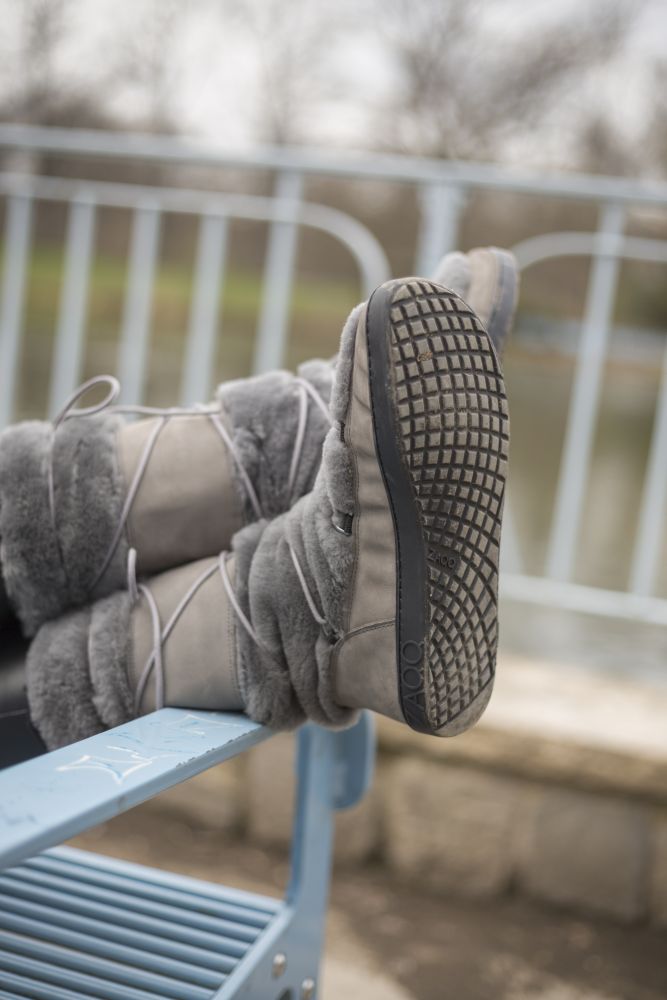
118 768
198 726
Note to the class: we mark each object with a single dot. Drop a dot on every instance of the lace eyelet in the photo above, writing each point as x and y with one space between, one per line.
342 522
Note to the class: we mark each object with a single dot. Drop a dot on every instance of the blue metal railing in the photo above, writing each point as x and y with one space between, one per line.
444 188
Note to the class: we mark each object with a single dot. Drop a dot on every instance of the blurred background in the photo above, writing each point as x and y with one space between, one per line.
192 192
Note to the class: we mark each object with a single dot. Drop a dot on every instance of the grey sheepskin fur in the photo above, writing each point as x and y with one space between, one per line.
109 652
6 613
454 273
60 693
285 678
263 412
31 564
77 672
47 571
89 490
78 665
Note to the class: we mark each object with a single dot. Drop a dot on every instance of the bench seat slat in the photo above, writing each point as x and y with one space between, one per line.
13 924
48 951
169 930
38 991
53 863
216 961
66 965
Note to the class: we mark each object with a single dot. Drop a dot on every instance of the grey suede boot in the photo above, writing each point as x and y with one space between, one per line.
77 494
376 590
386 574
487 278
169 642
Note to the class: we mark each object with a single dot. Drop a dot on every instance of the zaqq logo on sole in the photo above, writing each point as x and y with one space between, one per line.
413 696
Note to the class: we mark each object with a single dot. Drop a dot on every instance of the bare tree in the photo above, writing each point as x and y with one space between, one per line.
602 149
34 87
143 58
40 85
291 40
656 133
461 90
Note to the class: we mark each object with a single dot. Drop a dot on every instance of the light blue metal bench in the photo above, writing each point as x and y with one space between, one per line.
77 925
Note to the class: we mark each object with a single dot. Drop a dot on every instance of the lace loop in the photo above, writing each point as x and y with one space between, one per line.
215 414
68 409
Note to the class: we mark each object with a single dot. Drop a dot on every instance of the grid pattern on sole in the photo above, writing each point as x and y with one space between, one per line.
76 930
454 428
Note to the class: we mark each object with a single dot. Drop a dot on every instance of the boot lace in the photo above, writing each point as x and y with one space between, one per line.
137 589
160 633
214 413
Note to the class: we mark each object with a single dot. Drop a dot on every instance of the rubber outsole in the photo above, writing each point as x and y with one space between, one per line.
442 435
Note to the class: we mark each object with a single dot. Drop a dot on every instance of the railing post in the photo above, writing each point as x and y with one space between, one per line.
17 244
650 533
278 276
141 271
68 349
441 207
510 550
583 409
208 284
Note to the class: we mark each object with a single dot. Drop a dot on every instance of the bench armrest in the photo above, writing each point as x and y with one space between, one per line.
52 798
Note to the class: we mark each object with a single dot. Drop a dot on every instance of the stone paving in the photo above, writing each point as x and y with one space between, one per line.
386 942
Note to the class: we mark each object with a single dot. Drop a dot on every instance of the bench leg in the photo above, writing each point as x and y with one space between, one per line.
334 770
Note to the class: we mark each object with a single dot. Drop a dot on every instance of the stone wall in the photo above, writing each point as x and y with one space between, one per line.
577 823
460 830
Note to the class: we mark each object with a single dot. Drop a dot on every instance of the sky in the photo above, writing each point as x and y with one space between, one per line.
215 68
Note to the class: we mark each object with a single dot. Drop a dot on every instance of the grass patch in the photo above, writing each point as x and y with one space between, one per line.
318 310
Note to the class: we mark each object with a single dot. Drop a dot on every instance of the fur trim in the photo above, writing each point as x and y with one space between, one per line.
77 672
109 651
47 570
453 272
31 564
285 677
340 394
263 671
263 413
89 490
60 692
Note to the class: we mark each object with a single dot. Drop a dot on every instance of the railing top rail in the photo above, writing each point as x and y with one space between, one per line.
370 166
365 248
548 246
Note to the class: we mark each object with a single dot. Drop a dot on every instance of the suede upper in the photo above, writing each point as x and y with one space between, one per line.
83 668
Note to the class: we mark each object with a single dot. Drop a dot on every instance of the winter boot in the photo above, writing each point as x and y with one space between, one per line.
488 280
376 590
77 494
387 573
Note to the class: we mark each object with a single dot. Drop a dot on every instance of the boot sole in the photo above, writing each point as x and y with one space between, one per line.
441 433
